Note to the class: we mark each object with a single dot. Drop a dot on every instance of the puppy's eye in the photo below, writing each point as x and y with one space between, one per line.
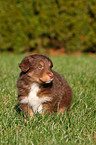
40 67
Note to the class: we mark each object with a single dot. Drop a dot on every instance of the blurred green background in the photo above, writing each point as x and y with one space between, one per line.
27 25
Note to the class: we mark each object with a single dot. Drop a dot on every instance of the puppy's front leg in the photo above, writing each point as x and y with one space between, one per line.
26 109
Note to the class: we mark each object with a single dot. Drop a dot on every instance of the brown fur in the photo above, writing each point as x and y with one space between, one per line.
58 90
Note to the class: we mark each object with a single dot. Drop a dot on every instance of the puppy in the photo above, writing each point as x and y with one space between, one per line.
40 89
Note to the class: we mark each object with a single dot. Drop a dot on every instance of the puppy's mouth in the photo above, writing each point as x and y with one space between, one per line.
49 81
46 82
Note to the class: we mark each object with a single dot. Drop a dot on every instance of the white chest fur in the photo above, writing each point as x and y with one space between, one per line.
33 100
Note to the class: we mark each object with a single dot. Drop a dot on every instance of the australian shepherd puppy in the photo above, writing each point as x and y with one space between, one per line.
40 89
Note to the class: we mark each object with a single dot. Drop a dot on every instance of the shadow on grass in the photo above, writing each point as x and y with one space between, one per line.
17 108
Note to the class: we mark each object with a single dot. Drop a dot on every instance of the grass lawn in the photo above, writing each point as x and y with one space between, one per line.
79 127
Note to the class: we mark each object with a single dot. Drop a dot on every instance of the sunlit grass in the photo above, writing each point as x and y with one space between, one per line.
79 127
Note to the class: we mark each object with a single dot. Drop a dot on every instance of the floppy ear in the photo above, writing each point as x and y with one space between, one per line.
25 64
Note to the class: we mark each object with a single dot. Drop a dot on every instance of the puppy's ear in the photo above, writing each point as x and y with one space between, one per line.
25 64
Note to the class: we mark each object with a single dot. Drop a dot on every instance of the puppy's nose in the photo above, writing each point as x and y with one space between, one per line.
51 75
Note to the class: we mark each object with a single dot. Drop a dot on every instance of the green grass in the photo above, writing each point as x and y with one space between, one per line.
79 127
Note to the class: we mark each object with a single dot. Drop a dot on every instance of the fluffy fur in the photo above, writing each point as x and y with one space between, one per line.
40 89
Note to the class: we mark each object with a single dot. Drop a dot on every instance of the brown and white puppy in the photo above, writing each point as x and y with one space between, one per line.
40 88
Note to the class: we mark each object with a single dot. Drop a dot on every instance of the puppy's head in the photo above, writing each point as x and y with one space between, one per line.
38 68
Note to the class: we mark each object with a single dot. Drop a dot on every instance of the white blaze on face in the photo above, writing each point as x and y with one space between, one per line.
33 100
